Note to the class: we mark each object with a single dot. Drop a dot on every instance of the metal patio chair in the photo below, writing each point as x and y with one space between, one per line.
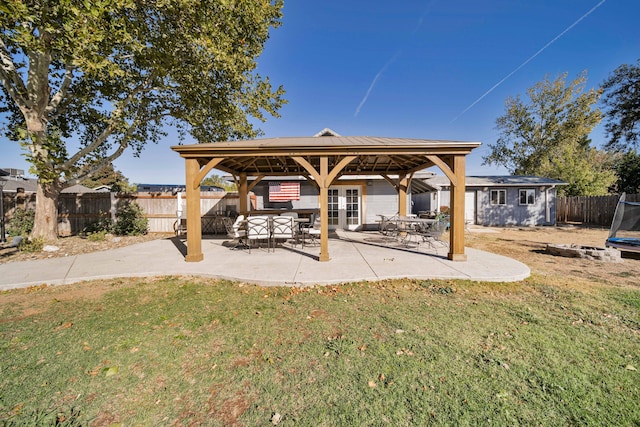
282 228
258 228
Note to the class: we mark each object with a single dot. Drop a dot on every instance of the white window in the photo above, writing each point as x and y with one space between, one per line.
528 196
498 197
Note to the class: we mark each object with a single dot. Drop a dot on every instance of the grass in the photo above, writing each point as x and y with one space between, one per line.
178 351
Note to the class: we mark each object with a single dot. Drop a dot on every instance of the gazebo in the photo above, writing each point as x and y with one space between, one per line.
322 161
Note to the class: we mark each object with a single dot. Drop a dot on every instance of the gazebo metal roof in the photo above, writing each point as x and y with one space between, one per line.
375 155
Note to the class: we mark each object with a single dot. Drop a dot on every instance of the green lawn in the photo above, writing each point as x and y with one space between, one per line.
205 352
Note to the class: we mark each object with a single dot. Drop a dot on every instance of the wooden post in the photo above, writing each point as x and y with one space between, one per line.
194 225
403 185
324 214
243 194
456 229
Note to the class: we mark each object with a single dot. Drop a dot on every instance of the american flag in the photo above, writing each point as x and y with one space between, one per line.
284 191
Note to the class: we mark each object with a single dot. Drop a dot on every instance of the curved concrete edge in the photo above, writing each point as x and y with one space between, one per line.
351 262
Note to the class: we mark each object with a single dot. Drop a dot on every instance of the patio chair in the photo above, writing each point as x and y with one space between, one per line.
433 234
236 231
258 229
282 229
311 230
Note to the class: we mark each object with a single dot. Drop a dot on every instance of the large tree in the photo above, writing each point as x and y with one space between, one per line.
548 136
108 176
628 170
622 99
83 81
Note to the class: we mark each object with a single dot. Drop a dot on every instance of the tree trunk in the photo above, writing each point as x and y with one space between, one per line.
45 224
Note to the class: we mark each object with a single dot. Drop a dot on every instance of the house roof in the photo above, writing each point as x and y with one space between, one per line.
11 184
438 182
79 188
31 186
327 132
374 155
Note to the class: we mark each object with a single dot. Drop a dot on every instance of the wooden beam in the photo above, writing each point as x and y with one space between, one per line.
308 167
254 182
436 160
390 180
338 168
205 170
194 224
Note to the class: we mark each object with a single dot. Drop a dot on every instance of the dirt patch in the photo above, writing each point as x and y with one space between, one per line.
528 245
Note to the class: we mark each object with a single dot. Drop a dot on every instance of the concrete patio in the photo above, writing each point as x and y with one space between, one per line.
354 257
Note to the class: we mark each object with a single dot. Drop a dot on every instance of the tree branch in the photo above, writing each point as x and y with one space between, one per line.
113 156
62 92
10 77
107 131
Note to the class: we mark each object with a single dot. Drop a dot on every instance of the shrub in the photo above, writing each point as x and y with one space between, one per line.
97 236
130 220
103 225
32 245
21 223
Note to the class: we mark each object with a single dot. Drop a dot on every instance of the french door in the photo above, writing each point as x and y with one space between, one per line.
345 207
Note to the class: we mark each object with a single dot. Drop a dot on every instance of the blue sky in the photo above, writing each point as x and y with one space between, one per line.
433 69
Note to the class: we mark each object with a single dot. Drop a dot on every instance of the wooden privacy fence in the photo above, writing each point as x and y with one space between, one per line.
76 211
589 210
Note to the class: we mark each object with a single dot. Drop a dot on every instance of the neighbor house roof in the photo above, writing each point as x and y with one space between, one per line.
438 182
31 186
13 183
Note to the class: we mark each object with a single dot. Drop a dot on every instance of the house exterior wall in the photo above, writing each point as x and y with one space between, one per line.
378 197
512 213
382 199
308 197
541 212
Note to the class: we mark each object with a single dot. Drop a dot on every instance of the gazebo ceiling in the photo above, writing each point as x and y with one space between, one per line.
374 155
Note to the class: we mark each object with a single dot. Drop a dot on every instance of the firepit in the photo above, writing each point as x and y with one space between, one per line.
586 252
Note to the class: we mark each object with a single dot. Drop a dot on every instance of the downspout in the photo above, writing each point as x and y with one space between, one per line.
547 206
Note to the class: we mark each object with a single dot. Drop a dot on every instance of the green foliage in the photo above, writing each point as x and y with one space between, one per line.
548 136
628 172
21 223
622 97
125 188
104 224
130 220
97 236
32 244
218 181
106 176
113 74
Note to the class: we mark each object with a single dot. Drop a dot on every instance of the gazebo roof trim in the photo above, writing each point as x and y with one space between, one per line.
326 142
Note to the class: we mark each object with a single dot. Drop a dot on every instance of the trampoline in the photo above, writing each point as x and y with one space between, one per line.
625 227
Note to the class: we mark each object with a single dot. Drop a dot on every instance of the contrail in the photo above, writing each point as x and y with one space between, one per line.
393 58
529 60
424 15
373 83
